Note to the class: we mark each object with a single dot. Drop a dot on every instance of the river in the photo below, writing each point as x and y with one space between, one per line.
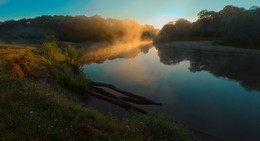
214 93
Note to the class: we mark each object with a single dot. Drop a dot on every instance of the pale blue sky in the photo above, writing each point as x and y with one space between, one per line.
154 12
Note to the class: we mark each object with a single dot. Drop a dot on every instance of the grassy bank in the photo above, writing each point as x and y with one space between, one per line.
40 91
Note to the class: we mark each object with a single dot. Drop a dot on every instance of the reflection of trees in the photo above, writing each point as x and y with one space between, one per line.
110 52
242 68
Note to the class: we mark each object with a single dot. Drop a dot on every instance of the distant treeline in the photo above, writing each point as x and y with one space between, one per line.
231 26
76 29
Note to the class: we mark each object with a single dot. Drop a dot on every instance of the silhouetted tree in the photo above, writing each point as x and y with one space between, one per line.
176 30
233 25
77 29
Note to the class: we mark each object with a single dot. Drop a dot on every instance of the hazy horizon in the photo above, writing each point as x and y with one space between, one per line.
153 12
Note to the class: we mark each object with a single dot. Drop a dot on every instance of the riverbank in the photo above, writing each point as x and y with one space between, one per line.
39 110
209 46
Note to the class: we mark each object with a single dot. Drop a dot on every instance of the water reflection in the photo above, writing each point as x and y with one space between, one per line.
244 68
192 86
101 53
136 70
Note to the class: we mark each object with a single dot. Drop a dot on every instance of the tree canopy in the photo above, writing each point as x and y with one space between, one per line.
232 25
76 29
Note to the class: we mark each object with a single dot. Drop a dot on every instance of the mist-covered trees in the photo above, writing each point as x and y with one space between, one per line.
232 25
176 30
76 29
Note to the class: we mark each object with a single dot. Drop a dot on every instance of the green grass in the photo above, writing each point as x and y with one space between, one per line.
160 127
33 110
8 51
30 111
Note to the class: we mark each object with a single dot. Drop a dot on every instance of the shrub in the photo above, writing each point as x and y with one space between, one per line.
27 64
73 57
53 39
63 75
51 51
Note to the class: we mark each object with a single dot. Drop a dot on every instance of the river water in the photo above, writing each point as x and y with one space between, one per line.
215 93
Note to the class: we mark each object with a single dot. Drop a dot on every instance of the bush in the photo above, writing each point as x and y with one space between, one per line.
63 75
51 51
73 58
52 39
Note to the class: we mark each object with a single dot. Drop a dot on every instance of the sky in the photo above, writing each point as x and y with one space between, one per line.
154 12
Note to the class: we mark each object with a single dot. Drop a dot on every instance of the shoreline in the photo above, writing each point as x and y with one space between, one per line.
209 47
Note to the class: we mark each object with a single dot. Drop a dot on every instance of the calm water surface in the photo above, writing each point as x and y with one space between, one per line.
213 93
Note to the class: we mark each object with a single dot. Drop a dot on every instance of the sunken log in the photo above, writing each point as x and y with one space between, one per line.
128 107
124 102
102 91
127 99
131 95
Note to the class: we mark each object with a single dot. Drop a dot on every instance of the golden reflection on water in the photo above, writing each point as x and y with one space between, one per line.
99 54
131 71
144 69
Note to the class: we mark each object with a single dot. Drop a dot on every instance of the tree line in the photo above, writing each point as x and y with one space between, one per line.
230 26
76 29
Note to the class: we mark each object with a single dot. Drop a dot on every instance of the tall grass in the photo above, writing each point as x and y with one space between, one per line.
31 110
8 51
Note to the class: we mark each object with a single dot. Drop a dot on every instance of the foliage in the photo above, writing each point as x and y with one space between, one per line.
74 29
52 38
149 32
176 30
50 63
73 57
65 67
52 51
232 25
63 75
8 51
36 111
25 65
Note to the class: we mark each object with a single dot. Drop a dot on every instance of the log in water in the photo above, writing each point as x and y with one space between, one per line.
124 102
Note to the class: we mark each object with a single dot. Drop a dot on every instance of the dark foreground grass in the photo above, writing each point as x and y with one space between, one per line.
32 112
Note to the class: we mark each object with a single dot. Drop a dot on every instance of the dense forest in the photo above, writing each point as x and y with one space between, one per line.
75 29
231 26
